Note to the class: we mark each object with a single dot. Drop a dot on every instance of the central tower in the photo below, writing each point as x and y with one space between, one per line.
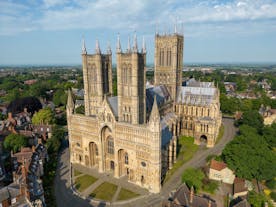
131 81
168 61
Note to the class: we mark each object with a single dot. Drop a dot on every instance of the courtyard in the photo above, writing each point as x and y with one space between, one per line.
103 187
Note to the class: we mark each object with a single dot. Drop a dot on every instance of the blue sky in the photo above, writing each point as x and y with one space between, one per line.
50 31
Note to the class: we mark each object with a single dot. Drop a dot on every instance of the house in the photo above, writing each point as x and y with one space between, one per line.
230 86
239 202
43 130
268 114
30 82
241 187
220 172
11 194
185 197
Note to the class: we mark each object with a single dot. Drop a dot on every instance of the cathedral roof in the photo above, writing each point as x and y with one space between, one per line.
113 101
166 121
196 95
161 93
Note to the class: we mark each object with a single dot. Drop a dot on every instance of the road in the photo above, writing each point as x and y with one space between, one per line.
65 196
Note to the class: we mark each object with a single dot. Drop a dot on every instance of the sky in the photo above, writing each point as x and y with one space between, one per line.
41 32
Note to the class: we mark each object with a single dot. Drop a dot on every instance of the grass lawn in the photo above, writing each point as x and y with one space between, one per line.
104 192
76 172
221 132
126 194
210 186
187 149
84 181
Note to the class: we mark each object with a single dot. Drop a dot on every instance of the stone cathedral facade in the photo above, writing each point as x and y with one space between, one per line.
134 134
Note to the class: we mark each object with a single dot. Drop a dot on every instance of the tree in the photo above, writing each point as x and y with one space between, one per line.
193 177
269 133
31 103
250 157
44 116
15 142
252 118
60 97
80 110
53 144
257 200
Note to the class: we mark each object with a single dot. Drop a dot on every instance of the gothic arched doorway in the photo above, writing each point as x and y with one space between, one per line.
203 139
123 160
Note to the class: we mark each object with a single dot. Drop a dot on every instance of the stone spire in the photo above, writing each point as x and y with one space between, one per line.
70 102
118 49
128 45
154 116
156 29
83 47
109 51
135 46
175 28
144 50
97 48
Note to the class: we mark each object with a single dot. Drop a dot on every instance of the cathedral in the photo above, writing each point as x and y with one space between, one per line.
135 133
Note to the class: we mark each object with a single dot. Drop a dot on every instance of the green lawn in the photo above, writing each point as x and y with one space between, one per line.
76 172
221 132
186 150
126 194
84 181
104 192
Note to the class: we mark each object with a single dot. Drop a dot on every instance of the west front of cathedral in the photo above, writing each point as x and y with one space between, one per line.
135 133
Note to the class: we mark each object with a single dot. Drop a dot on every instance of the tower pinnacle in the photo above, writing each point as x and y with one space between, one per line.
144 50
83 47
118 49
135 46
154 116
128 45
98 50
109 51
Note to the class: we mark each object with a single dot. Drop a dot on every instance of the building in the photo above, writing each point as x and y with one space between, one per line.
185 197
268 114
135 133
220 172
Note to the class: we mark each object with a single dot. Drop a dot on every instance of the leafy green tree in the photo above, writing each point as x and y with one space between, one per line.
252 118
193 177
53 144
60 97
228 104
269 134
80 110
15 142
43 116
250 157
257 200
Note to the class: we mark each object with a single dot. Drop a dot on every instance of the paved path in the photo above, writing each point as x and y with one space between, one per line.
65 196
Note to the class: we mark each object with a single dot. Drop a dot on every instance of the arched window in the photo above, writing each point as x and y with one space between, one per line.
126 158
110 145
96 150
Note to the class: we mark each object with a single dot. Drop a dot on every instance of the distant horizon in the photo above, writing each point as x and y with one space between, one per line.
148 64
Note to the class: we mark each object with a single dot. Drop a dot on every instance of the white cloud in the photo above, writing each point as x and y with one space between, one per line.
135 14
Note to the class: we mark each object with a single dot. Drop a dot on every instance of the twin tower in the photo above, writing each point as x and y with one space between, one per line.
131 76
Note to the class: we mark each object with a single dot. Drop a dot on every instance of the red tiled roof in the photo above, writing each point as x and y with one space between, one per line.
216 165
239 185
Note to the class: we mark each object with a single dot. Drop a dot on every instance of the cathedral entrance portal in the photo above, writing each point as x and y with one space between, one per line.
123 162
203 139
112 165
